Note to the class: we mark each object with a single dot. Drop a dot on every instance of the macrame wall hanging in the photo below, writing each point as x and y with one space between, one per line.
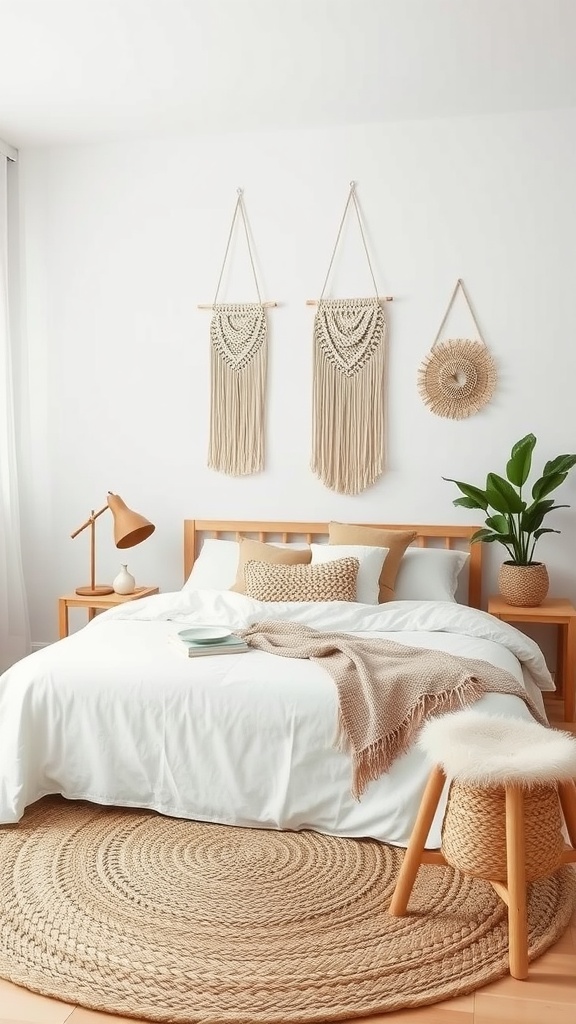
238 349
348 387
458 376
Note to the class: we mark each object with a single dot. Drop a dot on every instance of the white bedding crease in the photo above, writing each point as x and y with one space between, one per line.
116 714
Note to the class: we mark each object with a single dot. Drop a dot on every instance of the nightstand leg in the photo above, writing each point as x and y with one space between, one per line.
91 614
62 618
570 671
561 659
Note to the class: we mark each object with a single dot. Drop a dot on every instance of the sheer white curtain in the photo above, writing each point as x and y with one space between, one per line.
14 627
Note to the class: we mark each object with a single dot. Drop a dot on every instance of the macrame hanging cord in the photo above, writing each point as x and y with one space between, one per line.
238 345
458 376
348 388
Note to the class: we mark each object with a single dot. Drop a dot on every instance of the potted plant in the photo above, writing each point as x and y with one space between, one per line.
515 521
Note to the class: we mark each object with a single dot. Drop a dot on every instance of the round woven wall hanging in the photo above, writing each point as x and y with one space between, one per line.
458 376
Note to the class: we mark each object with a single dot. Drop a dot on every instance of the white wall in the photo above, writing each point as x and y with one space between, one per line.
120 242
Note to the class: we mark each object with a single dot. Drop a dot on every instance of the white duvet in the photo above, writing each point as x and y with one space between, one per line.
116 714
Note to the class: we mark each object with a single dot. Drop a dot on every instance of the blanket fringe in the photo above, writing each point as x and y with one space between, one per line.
373 761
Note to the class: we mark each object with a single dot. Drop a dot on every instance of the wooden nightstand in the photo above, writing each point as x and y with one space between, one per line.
94 603
554 611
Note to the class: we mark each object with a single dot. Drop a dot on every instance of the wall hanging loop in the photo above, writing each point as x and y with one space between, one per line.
458 376
238 349
351 199
348 387
238 209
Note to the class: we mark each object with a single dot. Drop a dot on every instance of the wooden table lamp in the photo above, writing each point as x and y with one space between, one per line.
130 528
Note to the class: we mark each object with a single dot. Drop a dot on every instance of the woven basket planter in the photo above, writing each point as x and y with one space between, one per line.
474 831
523 585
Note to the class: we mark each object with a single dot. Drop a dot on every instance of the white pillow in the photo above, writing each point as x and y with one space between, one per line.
217 564
429 574
371 561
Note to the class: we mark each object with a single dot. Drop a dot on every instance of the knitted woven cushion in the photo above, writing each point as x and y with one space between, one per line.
330 581
256 550
490 750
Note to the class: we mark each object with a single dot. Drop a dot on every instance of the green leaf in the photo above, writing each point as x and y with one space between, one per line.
546 484
518 468
466 503
499 523
502 496
485 535
561 464
538 533
533 516
474 493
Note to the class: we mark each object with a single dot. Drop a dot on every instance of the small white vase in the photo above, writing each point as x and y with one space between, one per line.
124 582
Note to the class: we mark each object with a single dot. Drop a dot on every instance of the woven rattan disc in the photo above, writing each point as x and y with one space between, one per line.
172 920
457 378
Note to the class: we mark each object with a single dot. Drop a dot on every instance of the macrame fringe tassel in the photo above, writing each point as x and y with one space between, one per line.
237 415
348 423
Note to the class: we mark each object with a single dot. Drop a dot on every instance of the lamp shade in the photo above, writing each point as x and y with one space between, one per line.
130 528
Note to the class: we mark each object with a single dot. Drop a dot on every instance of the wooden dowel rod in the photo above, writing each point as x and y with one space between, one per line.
567 794
516 879
381 298
267 305
413 856
89 521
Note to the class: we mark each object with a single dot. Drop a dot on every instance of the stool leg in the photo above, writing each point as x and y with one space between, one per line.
412 857
567 794
516 871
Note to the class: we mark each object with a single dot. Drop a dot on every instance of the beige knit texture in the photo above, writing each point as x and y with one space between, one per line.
329 581
258 551
180 921
385 690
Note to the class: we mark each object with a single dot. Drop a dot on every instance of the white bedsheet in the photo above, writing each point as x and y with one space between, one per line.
116 715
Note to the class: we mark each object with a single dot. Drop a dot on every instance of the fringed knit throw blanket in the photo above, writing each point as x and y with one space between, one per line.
385 690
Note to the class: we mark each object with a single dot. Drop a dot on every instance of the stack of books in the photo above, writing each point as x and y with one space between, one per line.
201 648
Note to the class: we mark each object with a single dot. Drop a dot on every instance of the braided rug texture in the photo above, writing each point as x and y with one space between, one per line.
137 914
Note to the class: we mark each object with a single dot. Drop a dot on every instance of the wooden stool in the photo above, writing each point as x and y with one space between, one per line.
510 782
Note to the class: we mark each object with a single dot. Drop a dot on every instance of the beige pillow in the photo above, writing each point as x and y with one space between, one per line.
330 581
256 550
396 540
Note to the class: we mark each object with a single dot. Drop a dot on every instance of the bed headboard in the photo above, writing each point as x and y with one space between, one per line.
445 536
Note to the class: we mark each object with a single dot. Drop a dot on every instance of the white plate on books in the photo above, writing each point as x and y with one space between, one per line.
205 634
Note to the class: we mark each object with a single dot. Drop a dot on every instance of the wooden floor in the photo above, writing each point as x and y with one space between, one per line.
547 997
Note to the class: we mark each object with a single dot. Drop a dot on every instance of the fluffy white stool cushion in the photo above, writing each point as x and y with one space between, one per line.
490 750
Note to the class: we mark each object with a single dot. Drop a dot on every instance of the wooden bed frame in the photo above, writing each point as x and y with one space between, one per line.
195 530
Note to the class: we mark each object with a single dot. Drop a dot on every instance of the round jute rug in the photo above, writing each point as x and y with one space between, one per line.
171 920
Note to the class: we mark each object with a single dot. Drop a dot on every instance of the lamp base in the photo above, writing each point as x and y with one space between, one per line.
94 591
